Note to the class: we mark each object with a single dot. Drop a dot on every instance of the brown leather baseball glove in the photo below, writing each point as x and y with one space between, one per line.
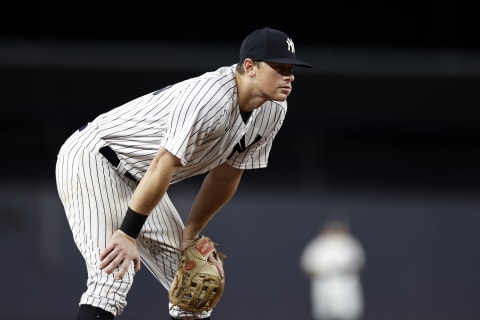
197 285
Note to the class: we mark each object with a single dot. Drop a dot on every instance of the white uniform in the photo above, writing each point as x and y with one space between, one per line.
198 120
334 262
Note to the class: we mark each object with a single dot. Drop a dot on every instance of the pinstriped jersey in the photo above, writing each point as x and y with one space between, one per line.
198 120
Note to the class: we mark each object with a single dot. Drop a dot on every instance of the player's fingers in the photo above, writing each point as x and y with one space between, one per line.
217 262
113 261
124 265
105 252
136 265
105 263
107 258
109 268
122 269
220 270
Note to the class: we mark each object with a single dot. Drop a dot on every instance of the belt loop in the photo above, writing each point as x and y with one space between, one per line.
112 157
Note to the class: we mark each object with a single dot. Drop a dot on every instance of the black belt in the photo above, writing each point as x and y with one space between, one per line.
112 157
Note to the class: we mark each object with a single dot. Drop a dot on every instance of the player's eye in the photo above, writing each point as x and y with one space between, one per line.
283 69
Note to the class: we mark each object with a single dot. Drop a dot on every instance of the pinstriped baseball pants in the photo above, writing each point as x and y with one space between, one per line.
95 197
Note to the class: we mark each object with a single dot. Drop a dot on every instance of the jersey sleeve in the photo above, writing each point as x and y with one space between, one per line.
193 117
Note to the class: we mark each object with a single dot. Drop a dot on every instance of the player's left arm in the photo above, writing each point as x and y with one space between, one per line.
218 187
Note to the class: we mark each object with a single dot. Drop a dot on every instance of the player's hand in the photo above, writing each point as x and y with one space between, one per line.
119 253
217 262
212 258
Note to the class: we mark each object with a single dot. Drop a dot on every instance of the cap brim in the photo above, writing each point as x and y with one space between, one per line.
295 62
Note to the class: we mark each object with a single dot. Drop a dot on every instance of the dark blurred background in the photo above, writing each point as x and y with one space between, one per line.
384 129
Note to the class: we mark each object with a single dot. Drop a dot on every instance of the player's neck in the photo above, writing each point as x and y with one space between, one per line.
247 98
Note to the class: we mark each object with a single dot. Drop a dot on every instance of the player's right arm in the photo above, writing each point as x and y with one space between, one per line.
122 249
155 182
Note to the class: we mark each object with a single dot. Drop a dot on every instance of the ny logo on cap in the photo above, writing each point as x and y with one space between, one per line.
291 47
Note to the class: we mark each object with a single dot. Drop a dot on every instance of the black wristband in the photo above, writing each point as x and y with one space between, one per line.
132 223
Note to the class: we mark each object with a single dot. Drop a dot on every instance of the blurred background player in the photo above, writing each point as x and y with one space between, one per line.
333 261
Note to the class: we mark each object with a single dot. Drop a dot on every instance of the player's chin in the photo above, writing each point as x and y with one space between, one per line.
282 95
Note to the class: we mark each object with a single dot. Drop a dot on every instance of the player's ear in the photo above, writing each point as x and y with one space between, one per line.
248 65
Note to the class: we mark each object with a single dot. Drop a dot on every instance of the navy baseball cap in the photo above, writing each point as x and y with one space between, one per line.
270 45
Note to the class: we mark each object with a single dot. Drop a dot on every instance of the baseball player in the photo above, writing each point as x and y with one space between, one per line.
333 261
113 173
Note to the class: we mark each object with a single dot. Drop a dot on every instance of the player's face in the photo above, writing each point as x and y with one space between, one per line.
275 80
